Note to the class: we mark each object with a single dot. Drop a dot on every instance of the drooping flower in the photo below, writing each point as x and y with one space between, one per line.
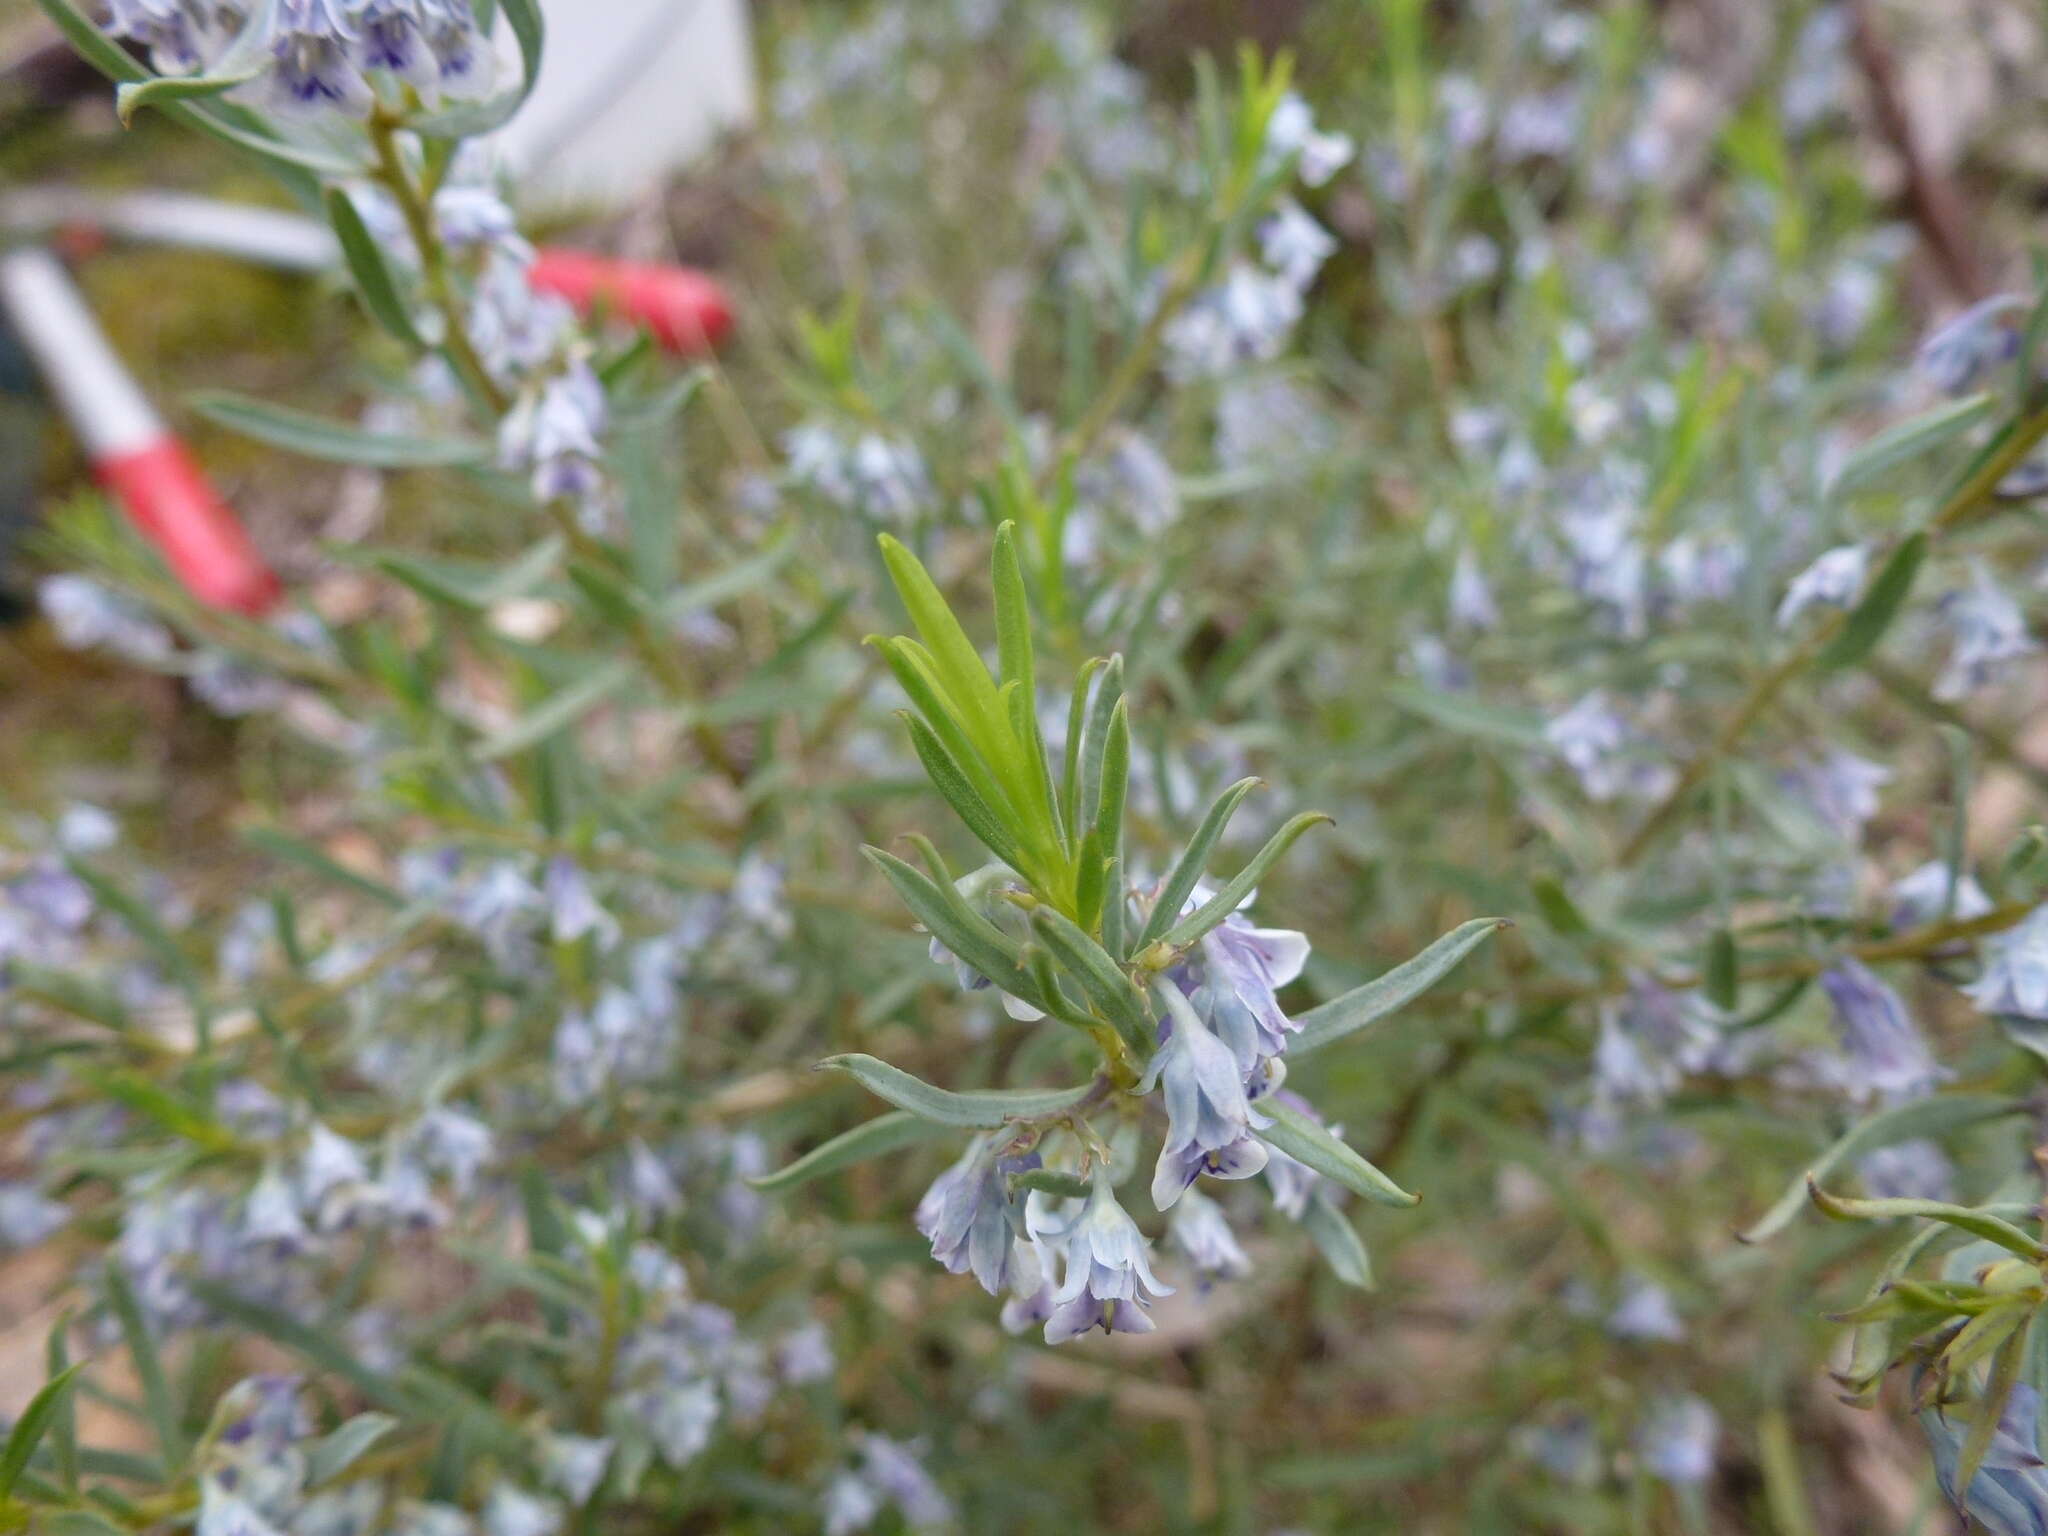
575 1464
1990 632
1922 896
1209 1119
1841 790
1605 752
1472 605
2009 1494
1109 1280
1677 1439
1645 1312
573 910
1832 581
1957 356
1202 1233
1291 130
1293 244
1907 1170
1649 1043
1884 1056
966 1216
313 61
2015 979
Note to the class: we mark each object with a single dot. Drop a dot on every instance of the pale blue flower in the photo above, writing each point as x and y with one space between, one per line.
575 1464
1841 789
2015 979
2009 1495
1472 607
1209 1119
1677 1438
1989 633
1907 1170
1922 896
965 1214
511 1511
1959 355
1645 1312
1291 131
1109 1280
1293 244
1884 1056
1202 1233
1834 580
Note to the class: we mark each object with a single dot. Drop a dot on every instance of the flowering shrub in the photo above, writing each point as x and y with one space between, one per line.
1503 493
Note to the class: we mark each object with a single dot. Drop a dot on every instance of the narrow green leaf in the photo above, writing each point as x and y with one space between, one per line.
1115 779
1388 993
283 845
1558 908
872 1138
1925 1117
1879 607
132 97
1187 871
1077 716
959 665
984 1107
557 713
1722 971
1308 1143
338 442
36 1420
1339 1241
1993 1229
1090 871
375 282
1468 716
334 1453
1105 985
78 1522
64 1423
915 670
1242 884
158 1402
316 1345
977 942
1095 742
2005 1371
144 923
1907 441
1013 614
951 780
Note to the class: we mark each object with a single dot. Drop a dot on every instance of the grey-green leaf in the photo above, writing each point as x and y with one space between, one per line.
1908 440
334 1453
885 1133
1311 1144
1241 885
373 276
1383 995
1187 869
982 1108
1925 1117
35 1422
1874 614
338 442
1339 1241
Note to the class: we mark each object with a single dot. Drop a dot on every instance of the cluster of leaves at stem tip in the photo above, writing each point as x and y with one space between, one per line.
979 739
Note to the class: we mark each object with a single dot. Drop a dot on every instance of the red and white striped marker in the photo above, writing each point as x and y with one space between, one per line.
134 455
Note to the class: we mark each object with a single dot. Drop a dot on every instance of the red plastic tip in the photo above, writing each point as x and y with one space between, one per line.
169 499
686 310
